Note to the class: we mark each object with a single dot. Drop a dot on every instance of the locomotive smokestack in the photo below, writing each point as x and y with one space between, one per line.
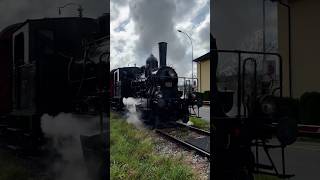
163 53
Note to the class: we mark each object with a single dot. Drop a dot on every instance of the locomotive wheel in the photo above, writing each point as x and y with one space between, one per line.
245 172
185 119
287 131
156 122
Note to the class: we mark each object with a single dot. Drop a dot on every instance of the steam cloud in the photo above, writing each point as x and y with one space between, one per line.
132 115
136 31
64 130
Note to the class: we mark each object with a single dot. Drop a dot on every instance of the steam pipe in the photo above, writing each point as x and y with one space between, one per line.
239 86
290 48
239 52
243 80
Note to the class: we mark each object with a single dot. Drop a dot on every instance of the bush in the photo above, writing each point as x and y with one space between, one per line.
206 96
200 123
309 108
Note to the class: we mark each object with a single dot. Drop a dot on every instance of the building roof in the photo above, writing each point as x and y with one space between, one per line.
203 57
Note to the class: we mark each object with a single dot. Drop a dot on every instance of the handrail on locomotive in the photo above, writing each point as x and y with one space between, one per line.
268 115
241 71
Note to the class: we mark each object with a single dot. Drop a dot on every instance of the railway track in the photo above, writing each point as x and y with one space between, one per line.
193 138
304 130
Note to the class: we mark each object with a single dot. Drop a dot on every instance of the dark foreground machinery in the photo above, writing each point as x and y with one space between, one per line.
96 155
260 115
48 66
155 88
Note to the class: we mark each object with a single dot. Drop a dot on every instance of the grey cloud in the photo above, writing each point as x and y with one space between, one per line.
120 2
154 22
204 33
185 7
114 11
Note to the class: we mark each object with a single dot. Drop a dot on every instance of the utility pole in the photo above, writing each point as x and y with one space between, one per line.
191 53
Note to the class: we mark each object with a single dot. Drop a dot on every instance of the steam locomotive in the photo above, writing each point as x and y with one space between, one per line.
51 65
155 88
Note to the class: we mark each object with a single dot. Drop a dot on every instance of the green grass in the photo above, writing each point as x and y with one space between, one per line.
11 169
200 123
132 156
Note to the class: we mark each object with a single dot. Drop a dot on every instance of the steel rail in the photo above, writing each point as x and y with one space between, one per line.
201 131
184 143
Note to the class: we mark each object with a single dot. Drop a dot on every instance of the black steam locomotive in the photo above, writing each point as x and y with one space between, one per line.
154 87
51 65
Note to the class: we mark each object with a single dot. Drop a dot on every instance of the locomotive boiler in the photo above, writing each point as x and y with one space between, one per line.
155 87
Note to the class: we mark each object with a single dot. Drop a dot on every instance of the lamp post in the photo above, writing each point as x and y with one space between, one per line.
191 52
80 9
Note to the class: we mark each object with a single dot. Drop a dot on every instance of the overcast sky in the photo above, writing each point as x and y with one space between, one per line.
138 25
13 11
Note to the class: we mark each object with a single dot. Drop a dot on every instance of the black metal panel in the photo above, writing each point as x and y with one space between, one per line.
27 87
68 34
104 24
53 93
53 43
95 152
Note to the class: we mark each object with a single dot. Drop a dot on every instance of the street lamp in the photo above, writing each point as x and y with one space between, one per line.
191 52
80 9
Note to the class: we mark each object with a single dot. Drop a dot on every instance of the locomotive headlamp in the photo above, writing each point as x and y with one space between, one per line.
159 95
268 105
268 108
171 73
